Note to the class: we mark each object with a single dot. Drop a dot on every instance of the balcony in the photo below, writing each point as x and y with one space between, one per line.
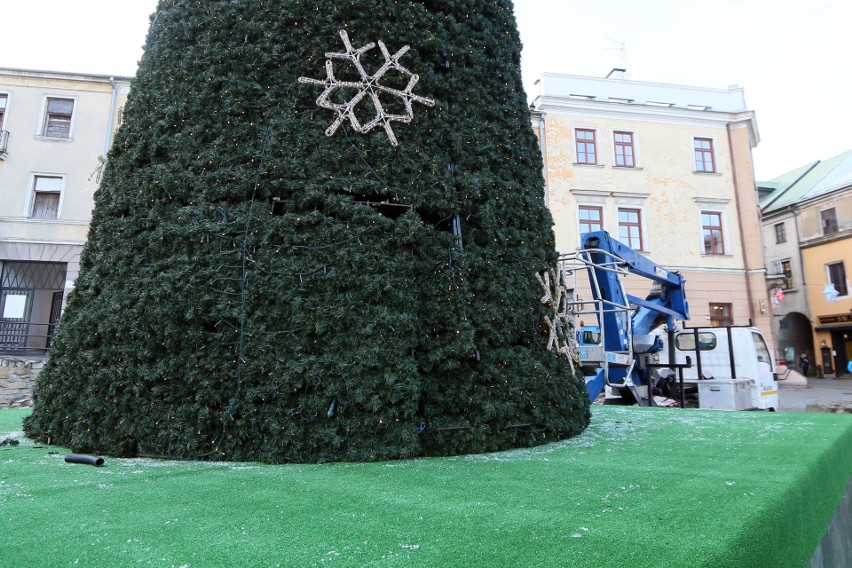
25 338
31 295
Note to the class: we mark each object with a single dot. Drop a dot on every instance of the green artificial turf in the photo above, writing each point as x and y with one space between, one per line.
641 487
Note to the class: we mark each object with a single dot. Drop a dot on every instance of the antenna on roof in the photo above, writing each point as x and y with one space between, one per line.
622 51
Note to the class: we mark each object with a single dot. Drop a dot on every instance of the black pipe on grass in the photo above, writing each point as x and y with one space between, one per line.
86 459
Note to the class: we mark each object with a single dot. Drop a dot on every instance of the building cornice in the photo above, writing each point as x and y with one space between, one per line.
711 200
68 76
624 99
824 240
42 242
31 221
647 113
715 270
609 193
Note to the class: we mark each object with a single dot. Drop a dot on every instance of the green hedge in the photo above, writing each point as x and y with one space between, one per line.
253 289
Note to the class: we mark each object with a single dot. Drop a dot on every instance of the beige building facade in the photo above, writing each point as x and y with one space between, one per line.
55 132
667 170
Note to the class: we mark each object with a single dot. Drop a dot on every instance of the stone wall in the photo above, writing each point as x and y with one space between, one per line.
17 379
833 407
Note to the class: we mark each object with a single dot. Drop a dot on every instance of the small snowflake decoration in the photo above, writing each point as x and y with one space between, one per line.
559 316
369 87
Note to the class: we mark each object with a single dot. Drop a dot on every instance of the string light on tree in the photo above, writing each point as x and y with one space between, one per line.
368 87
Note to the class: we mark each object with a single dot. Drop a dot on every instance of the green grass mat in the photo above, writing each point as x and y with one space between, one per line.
641 487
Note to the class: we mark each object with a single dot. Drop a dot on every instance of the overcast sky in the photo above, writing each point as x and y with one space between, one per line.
790 56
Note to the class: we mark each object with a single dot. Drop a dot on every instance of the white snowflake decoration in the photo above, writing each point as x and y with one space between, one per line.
367 86
560 318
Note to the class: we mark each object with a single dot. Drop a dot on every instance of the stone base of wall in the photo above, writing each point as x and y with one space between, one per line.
17 379
830 407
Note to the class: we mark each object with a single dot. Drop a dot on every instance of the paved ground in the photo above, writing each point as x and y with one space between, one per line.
797 397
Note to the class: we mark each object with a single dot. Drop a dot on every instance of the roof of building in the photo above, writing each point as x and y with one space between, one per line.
807 182
63 74
644 100
731 99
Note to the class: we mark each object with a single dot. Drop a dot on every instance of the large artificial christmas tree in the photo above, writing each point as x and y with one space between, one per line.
317 238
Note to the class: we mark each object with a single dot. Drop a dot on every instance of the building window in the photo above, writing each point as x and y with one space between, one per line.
624 154
4 135
3 100
721 315
787 271
630 228
591 218
829 221
711 231
47 191
704 160
837 277
780 233
57 118
586 146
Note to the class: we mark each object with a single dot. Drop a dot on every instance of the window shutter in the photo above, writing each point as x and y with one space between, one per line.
58 120
46 205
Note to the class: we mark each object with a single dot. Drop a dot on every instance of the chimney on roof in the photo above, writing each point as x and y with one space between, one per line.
617 73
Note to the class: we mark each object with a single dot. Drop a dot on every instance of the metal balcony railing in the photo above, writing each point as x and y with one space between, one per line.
25 338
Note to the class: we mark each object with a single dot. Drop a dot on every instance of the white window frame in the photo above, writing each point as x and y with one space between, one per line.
8 97
31 196
41 127
637 159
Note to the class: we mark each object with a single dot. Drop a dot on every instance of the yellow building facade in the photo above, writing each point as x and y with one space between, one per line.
832 317
667 170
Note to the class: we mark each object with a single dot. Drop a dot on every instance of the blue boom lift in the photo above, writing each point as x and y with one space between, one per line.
608 351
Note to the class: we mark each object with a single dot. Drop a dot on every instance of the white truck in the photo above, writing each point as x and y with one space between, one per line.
731 369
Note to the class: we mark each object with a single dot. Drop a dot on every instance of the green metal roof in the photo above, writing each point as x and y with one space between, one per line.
807 182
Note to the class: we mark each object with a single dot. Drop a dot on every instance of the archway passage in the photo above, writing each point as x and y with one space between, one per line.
794 337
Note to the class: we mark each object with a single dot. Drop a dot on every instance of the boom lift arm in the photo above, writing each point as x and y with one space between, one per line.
626 321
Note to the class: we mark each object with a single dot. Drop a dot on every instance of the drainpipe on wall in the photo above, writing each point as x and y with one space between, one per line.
801 261
543 147
751 314
111 116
